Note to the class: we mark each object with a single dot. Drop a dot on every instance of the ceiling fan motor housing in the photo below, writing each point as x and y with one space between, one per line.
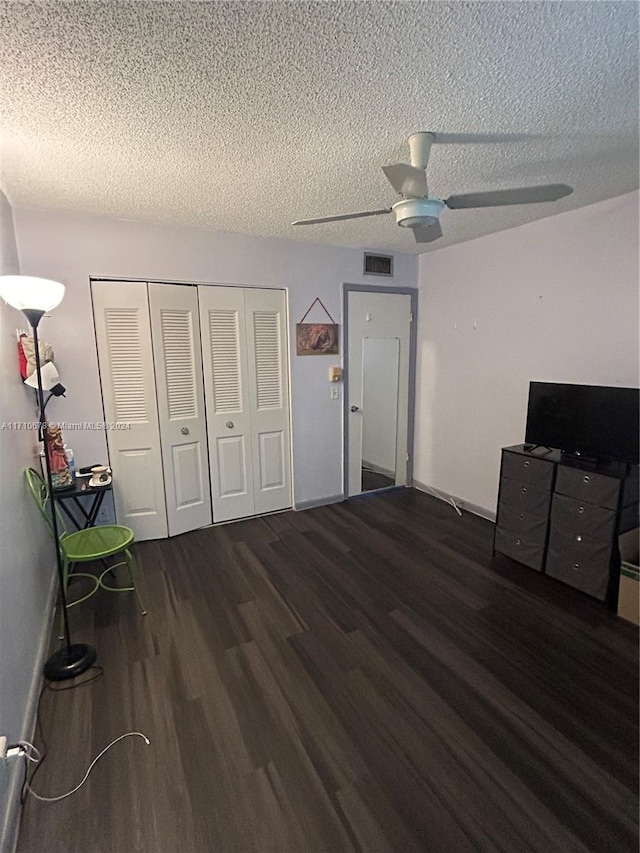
410 212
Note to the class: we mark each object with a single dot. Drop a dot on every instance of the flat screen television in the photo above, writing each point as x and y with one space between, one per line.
591 421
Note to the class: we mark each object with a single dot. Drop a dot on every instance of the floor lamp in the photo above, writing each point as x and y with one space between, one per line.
34 297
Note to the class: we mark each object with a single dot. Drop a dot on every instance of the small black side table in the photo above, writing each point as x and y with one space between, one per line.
73 494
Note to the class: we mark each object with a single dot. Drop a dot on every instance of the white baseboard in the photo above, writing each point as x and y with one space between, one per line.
378 469
9 836
483 512
310 504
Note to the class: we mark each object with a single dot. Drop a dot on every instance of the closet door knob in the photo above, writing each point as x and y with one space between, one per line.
229 424
185 430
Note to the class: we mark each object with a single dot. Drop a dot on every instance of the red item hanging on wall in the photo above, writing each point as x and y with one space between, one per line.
29 352
22 359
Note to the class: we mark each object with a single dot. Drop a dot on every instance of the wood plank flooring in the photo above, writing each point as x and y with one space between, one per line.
358 677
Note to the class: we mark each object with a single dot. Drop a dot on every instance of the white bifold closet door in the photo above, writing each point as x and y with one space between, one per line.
175 329
244 354
123 334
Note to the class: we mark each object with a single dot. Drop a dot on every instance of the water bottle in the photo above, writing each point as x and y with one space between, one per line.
70 461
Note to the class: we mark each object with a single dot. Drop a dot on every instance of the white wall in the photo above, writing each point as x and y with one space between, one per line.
26 553
72 248
554 300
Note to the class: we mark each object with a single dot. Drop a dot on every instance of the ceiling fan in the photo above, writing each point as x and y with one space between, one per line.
420 212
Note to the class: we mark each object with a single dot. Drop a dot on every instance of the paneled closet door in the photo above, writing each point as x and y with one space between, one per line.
175 330
123 334
266 325
224 359
244 353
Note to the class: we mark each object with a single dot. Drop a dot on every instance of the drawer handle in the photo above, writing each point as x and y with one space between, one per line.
521 515
576 565
526 464
578 538
524 491
518 541
587 478
581 510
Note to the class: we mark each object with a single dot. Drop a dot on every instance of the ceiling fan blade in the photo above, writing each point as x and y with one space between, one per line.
408 180
342 216
523 195
483 138
427 233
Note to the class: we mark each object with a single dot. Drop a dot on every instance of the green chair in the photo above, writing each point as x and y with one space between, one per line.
85 546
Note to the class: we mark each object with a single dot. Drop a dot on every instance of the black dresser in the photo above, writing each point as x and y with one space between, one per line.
562 516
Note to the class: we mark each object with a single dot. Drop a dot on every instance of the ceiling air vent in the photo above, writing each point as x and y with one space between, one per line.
378 264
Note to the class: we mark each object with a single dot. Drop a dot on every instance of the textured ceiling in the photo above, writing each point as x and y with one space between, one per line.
245 116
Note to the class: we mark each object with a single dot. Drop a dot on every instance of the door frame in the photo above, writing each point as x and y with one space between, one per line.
413 349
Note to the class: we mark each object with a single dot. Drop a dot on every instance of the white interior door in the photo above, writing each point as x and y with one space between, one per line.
175 330
266 327
224 359
245 359
379 333
123 334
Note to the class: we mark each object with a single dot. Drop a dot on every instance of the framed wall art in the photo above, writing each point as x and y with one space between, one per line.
317 338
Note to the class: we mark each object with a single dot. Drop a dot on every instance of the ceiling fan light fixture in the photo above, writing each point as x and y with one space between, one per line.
413 221
411 212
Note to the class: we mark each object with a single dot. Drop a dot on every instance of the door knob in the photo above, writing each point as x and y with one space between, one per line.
185 430
229 424
355 408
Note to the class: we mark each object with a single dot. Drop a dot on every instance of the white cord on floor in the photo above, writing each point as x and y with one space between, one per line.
441 497
86 775
29 750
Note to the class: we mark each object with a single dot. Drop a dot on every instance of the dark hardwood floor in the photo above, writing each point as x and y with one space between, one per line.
358 677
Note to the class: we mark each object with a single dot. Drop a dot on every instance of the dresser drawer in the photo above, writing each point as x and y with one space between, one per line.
592 579
519 549
527 469
585 569
582 564
525 498
525 525
580 517
588 486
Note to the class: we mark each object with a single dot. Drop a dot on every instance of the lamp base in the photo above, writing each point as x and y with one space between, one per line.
69 661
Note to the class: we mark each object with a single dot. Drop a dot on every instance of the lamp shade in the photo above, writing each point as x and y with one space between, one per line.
27 292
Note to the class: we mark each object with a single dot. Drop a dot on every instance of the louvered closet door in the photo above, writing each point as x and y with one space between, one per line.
244 352
266 326
224 360
183 433
121 314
